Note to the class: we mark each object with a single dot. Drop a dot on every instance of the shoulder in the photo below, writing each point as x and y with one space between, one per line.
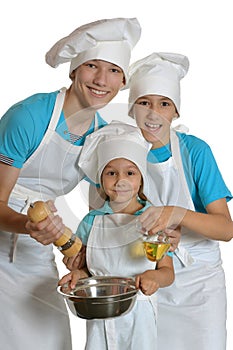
24 124
89 217
194 147
31 107
43 101
191 140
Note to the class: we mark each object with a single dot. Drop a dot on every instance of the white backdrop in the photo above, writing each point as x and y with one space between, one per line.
202 30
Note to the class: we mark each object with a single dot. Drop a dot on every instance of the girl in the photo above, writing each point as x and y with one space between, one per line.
115 158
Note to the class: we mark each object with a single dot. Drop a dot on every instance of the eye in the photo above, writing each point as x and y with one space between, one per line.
130 173
111 173
165 104
116 70
90 65
143 103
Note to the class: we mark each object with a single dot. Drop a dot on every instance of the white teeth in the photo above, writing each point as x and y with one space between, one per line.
153 126
97 92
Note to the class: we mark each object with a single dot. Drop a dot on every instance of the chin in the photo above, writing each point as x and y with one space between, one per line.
150 137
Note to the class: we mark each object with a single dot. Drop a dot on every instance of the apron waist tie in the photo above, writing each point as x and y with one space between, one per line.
184 256
14 236
110 331
13 243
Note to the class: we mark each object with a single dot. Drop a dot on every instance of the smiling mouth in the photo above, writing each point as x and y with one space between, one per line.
153 127
119 192
98 92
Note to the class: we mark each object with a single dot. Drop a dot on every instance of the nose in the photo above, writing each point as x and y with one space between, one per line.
121 181
153 112
100 77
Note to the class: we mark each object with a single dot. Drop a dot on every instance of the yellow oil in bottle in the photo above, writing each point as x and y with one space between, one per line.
155 251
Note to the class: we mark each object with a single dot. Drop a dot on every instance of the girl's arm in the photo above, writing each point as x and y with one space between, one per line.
151 280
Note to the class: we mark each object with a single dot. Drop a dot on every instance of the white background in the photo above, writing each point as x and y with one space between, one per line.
202 30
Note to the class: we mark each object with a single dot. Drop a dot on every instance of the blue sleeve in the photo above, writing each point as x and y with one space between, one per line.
203 176
84 228
17 132
170 254
23 127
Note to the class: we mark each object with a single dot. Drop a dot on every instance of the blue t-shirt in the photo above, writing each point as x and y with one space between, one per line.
85 226
203 177
23 126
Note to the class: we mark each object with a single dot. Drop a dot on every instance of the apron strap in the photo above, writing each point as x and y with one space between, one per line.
177 156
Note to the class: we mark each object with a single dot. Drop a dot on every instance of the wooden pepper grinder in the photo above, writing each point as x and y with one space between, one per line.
68 244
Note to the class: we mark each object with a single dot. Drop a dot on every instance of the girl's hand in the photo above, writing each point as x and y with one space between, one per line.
76 262
147 282
69 281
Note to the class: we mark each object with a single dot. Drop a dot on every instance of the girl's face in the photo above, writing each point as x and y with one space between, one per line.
121 181
96 83
154 114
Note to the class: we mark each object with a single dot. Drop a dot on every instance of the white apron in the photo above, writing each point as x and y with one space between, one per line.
33 314
192 311
110 251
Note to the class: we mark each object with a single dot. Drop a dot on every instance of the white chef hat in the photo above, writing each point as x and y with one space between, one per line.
157 74
110 40
115 140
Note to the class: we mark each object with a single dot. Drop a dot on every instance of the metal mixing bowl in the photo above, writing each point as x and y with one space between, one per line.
101 297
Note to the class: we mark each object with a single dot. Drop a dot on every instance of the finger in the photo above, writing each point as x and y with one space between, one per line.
156 228
65 279
137 281
75 277
51 205
65 260
151 222
144 290
146 216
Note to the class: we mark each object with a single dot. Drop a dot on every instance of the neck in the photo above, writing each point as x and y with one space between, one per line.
78 119
126 208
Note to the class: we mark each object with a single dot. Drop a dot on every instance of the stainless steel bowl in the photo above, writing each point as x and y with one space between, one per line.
101 297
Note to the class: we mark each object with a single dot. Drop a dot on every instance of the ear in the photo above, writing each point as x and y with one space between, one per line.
175 116
72 74
123 83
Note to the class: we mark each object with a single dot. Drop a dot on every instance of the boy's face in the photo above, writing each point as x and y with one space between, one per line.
96 83
154 114
121 181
